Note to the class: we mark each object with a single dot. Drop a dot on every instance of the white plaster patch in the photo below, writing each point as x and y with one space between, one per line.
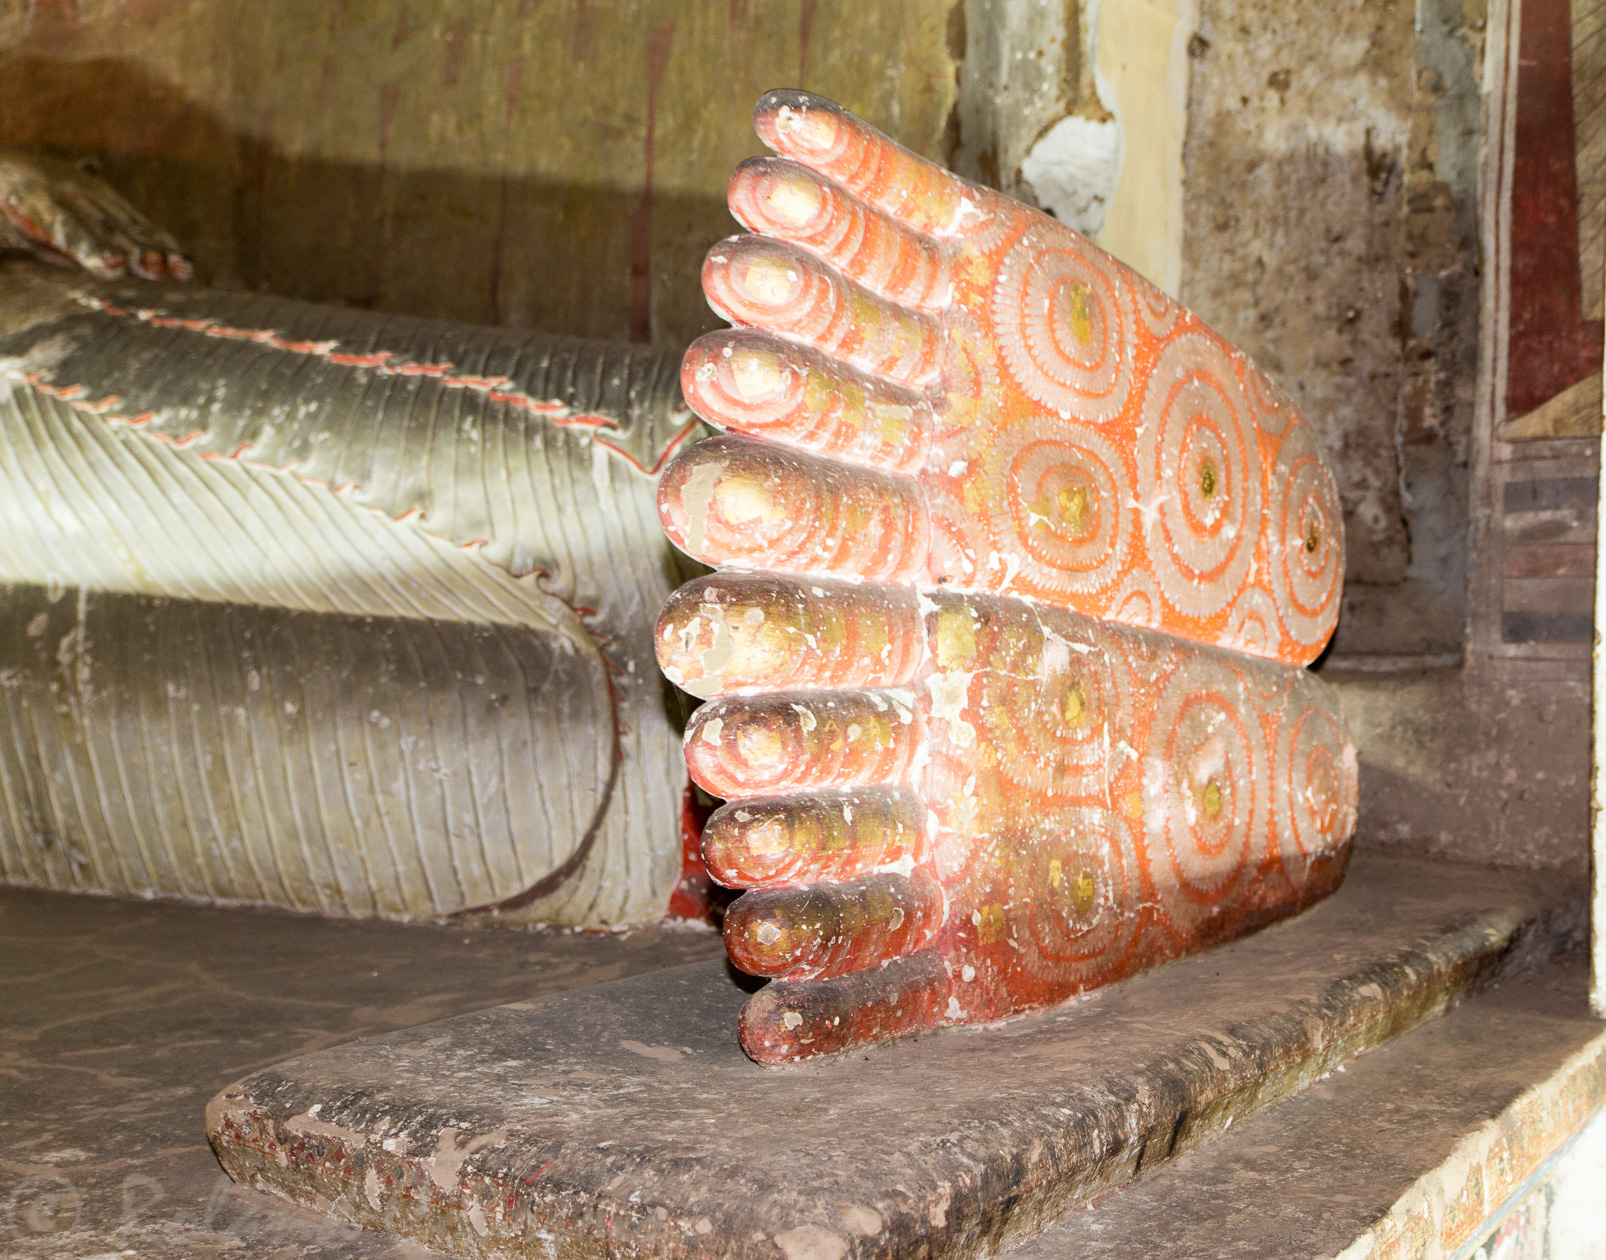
698 494
948 693
861 1220
1073 170
811 1242
449 1155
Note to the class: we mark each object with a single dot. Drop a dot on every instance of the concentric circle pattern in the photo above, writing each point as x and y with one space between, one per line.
1068 518
1054 720
1271 406
1199 477
1086 913
1313 783
1160 315
1306 540
1138 601
1204 786
1252 624
1064 315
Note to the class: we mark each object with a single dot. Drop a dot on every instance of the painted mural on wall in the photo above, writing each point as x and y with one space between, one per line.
1558 223
1549 237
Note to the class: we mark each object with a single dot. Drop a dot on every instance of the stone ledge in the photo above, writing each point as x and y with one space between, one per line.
1413 1151
623 1120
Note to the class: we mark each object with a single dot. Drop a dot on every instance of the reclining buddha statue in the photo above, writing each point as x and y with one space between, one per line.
322 608
1016 567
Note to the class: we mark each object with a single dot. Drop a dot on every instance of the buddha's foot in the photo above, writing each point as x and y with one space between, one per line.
949 804
954 808
63 214
932 383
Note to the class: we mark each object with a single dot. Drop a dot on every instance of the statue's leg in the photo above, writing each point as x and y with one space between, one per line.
1021 562
331 609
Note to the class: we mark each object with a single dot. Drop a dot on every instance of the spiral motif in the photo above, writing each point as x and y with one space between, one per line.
1315 784
1084 916
1199 481
991 220
1307 540
1205 785
1271 407
951 550
1159 313
1252 625
1066 516
1067 322
1138 601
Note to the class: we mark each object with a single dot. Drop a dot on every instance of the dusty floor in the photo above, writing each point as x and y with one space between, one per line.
118 1020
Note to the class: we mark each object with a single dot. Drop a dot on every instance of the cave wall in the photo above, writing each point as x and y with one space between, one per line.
547 164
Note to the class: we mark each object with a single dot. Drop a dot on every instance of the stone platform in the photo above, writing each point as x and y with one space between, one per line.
624 1120
1420 1149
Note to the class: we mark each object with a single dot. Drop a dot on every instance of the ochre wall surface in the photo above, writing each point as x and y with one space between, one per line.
549 164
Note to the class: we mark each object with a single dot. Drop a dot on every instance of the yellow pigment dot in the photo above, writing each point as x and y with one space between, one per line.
1081 313
956 638
1212 799
1055 872
1073 510
1313 539
1207 479
1085 889
1075 705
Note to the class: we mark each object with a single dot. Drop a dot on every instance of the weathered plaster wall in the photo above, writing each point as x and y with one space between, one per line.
1080 107
1295 210
549 164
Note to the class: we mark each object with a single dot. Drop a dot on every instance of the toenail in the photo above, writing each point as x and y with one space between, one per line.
760 746
769 280
744 498
756 373
793 200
